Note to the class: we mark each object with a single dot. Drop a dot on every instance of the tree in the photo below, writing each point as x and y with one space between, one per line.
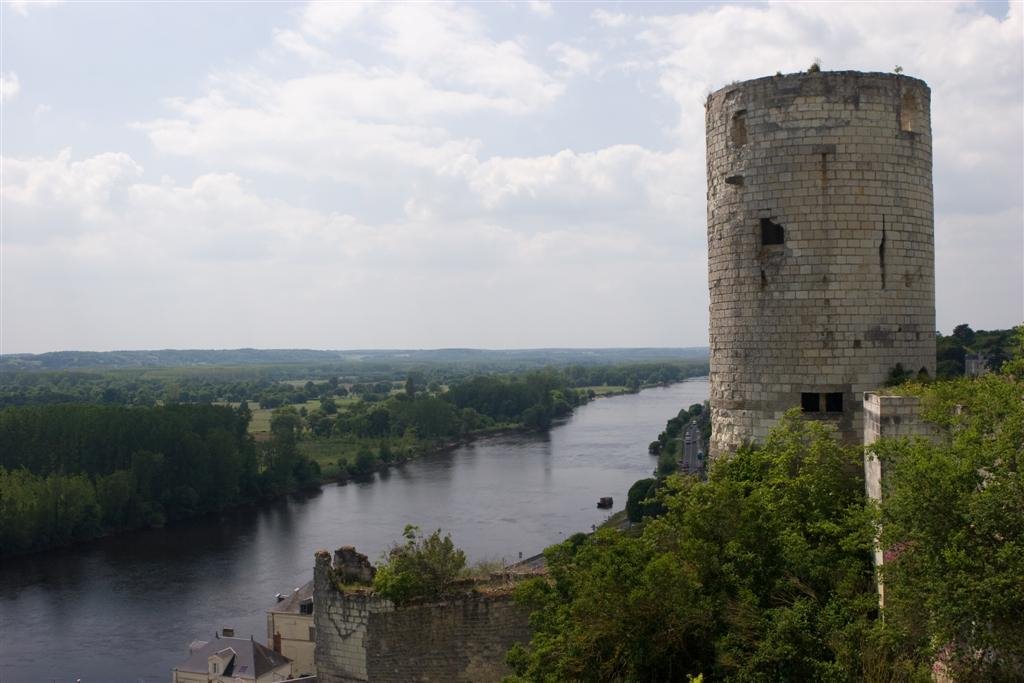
419 569
641 502
964 333
953 528
761 573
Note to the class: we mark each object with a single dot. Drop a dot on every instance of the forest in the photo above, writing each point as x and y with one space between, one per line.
72 472
82 457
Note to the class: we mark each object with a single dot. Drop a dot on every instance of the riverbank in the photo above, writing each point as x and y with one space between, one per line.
499 496
338 458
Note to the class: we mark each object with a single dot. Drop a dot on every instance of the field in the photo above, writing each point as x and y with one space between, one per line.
606 390
260 423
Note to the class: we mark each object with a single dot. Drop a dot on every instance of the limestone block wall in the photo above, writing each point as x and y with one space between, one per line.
463 639
820 246
363 637
341 621
887 416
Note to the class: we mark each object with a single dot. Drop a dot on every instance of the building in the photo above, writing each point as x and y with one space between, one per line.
290 629
226 659
820 247
975 364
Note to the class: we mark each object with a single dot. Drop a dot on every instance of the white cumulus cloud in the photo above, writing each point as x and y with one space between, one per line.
9 86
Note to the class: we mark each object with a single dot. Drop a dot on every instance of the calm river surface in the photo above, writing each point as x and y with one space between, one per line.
125 608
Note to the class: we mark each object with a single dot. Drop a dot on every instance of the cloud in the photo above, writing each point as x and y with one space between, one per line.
50 198
296 43
324 20
386 175
575 60
9 86
541 8
361 112
22 7
235 257
610 19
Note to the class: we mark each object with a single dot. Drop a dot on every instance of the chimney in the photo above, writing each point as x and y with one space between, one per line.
277 643
229 633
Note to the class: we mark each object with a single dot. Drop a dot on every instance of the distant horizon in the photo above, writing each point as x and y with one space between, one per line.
384 349
355 349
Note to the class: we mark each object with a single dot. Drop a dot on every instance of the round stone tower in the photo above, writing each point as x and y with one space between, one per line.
820 247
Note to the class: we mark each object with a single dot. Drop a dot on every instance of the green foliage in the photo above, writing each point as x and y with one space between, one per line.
761 573
668 461
953 527
642 502
998 346
69 472
419 569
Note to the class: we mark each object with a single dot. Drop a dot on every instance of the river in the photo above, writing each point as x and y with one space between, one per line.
125 608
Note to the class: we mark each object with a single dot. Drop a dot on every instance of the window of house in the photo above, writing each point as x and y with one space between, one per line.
834 402
215 667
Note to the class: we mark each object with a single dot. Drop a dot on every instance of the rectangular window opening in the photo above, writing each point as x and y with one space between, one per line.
834 402
810 403
738 130
910 114
772 233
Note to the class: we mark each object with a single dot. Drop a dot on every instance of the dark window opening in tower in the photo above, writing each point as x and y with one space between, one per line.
810 403
910 113
834 402
738 129
772 233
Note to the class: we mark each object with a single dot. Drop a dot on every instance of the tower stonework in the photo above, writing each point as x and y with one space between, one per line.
821 258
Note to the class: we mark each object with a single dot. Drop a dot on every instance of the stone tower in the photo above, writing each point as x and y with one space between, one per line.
820 246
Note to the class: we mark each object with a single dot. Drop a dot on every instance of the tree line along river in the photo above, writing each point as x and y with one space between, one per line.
125 608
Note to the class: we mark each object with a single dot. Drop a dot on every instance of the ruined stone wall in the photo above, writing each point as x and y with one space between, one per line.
363 637
463 639
889 417
341 621
820 246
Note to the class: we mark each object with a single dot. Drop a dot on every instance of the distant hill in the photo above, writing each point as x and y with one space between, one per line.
178 358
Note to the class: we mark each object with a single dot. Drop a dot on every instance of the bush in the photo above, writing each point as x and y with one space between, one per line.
419 569
640 502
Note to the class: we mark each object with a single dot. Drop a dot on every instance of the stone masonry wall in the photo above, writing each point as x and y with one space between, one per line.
341 626
887 416
463 639
363 637
820 245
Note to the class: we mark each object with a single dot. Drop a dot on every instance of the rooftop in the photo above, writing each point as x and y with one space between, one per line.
248 659
290 604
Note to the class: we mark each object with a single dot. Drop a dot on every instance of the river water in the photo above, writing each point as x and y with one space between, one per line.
125 608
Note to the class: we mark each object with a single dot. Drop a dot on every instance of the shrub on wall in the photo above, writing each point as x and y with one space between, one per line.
419 569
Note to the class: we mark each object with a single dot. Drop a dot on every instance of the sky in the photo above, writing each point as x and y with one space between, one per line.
498 175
